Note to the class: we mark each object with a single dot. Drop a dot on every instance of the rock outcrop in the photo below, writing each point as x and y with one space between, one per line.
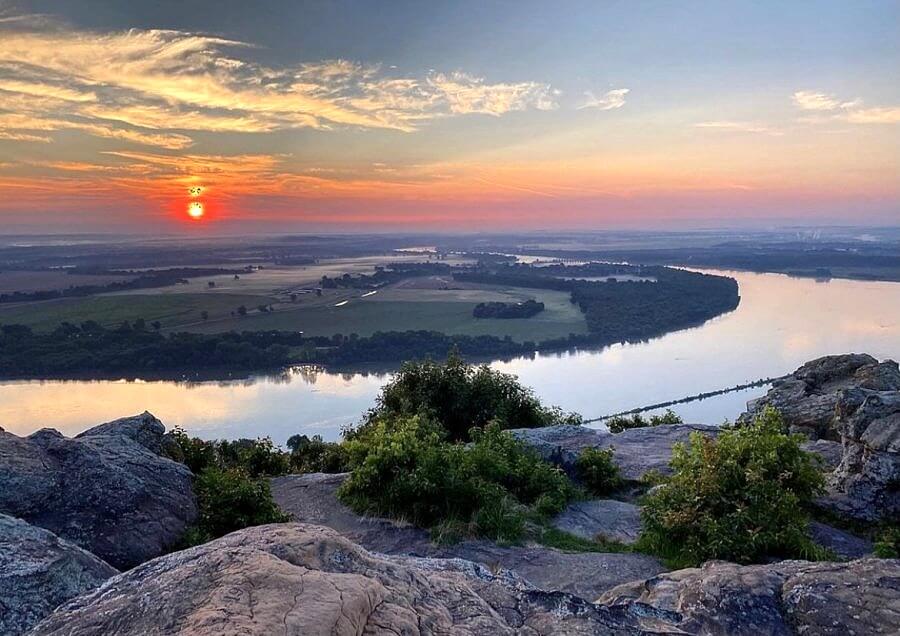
311 498
297 579
807 398
786 598
38 572
866 484
637 451
107 490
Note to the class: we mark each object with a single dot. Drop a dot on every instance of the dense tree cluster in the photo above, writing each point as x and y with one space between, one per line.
525 309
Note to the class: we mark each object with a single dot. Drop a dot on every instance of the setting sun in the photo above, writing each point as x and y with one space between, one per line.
195 210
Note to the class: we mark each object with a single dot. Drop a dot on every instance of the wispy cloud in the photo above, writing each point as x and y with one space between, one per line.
829 107
151 86
739 126
610 100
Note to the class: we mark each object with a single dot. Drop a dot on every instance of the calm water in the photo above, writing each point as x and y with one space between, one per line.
780 323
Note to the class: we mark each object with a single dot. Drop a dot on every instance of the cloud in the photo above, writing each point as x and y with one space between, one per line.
739 126
852 111
608 101
146 86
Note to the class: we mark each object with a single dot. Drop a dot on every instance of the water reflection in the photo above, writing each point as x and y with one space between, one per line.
780 323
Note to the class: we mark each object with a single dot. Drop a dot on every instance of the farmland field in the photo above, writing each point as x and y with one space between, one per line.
31 281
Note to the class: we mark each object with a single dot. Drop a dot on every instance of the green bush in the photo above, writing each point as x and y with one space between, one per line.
313 455
230 500
887 543
742 497
405 468
621 423
597 471
257 457
459 396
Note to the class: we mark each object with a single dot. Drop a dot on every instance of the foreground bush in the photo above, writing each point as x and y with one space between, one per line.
230 500
742 497
406 468
621 423
460 396
597 471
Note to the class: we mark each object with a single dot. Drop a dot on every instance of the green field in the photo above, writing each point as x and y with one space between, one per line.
170 310
435 303
401 310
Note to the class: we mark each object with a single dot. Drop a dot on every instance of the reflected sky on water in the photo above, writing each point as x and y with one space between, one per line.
780 323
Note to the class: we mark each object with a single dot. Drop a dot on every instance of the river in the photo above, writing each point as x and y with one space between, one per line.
780 323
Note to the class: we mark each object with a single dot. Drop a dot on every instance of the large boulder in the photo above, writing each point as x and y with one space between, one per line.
38 572
637 451
786 598
866 484
298 579
107 490
807 398
312 499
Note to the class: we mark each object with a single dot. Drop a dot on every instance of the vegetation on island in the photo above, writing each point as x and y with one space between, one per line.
743 496
621 423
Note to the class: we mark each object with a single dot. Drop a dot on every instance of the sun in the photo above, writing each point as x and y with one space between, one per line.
195 210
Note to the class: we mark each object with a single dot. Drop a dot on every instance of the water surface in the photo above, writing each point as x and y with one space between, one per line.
780 323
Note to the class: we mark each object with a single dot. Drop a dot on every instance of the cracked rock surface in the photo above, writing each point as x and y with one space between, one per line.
786 598
298 579
38 572
107 490
311 498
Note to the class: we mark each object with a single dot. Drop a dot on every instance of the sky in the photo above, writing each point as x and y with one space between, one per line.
277 115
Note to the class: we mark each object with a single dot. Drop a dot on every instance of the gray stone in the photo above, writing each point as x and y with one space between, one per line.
601 518
786 598
311 499
106 490
297 579
828 451
865 484
808 397
38 572
843 544
637 451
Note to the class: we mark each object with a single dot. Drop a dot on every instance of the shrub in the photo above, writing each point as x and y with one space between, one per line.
230 500
742 497
313 455
406 468
459 396
597 471
621 423
257 457
887 543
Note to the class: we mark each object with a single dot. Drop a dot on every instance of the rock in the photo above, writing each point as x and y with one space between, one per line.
790 597
311 498
637 451
106 490
38 572
843 544
829 452
298 579
604 518
807 398
865 484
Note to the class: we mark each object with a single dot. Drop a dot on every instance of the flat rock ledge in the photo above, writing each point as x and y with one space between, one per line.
38 572
311 498
107 490
298 579
601 518
783 599
637 451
